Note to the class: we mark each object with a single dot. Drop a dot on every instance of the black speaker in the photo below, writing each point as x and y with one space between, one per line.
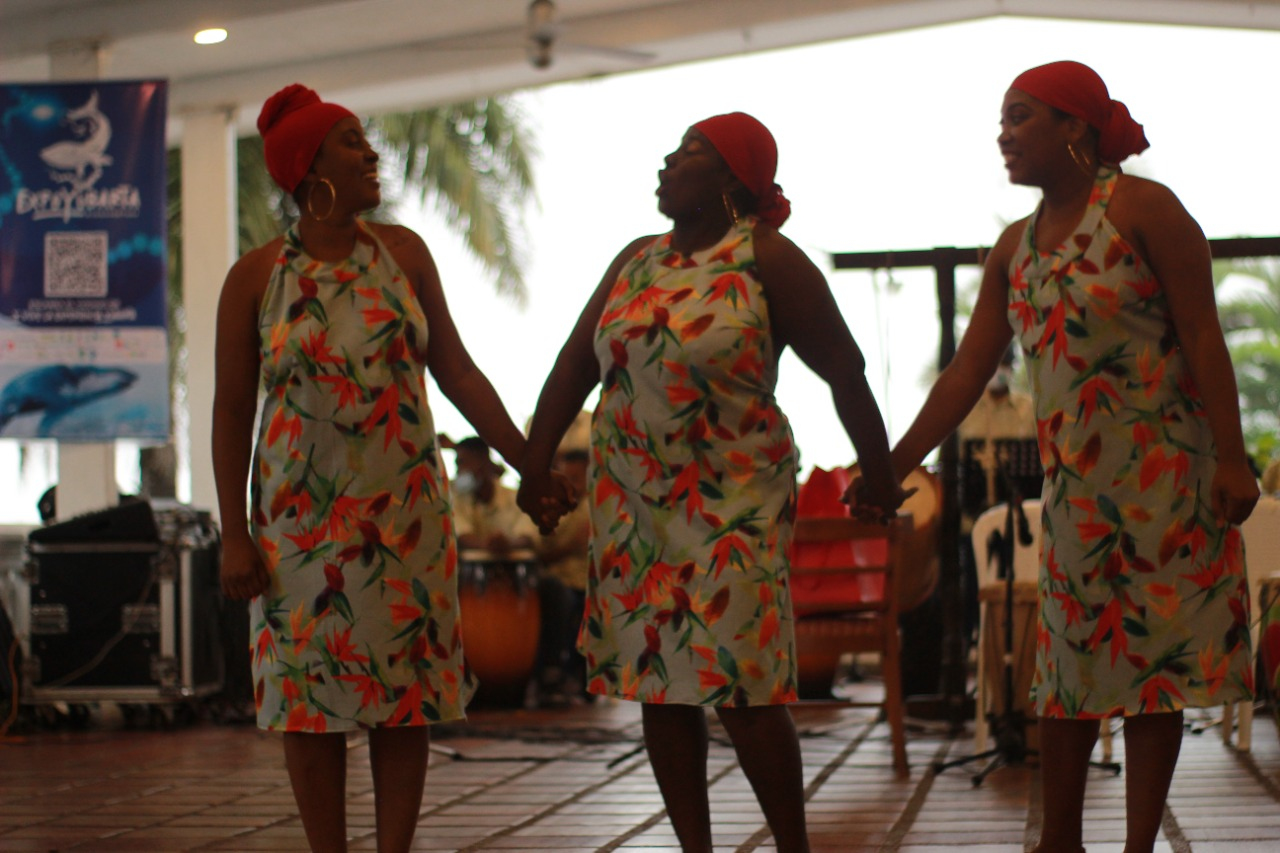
126 621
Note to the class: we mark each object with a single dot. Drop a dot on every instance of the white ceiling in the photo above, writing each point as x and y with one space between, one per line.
378 55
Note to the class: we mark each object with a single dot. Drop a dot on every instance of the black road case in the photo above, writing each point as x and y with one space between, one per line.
122 621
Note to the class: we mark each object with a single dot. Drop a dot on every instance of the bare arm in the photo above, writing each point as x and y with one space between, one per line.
961 383
1165 235
236 376
447 357
803 315
575 372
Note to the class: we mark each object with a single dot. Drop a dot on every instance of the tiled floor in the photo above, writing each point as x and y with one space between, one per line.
576 780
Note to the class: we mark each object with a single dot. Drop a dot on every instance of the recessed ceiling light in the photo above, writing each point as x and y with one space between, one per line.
212 36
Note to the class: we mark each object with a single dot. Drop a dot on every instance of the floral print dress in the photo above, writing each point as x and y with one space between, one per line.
359 626
692 486
1143 601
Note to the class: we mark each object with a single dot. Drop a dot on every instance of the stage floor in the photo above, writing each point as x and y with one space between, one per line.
576 780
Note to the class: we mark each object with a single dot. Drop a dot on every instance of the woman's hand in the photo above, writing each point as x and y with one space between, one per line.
1234 493
546 497
243 573
874 504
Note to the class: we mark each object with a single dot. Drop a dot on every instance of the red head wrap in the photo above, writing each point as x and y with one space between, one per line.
748 147
293 123
1078 90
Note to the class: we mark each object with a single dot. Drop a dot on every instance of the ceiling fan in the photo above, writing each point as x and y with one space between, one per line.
542 41
542 32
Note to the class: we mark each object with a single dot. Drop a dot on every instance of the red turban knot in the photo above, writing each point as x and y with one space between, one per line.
748 148
1077 90
293 123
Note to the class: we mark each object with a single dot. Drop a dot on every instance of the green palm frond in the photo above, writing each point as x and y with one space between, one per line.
262 208
1251 325
473 161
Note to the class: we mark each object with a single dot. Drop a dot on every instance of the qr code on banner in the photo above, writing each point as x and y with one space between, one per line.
75 264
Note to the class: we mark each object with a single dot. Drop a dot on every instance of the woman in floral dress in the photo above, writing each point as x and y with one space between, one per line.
693 469
347 551
1143 600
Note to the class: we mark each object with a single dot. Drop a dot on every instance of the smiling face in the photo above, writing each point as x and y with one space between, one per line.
693 179
347 161
1033 139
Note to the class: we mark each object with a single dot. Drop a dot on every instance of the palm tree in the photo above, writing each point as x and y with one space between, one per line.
1251 324
473 160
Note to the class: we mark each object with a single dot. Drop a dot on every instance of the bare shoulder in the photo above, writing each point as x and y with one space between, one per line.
1144 189
1153 221
1007 243
771 245
781 263
635 247
404 244
394 235
249 275
1135 198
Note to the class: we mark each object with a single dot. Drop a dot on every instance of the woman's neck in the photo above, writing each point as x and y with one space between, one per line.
699 232
1068 193
328 241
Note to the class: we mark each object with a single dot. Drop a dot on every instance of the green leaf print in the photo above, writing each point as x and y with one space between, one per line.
413 628
726 661
659 668
1134 628
1109 509
316 309
342 604
393 301
421 594
623 378
319 706
709 490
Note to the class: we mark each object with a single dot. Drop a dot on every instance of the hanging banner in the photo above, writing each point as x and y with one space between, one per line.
83 262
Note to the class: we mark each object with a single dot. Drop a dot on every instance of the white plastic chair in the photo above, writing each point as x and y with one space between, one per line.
1262 554
1026 570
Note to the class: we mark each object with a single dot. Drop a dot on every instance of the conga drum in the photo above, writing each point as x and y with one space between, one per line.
917 583
501 619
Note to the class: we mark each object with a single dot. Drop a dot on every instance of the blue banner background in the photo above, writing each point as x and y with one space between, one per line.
83 252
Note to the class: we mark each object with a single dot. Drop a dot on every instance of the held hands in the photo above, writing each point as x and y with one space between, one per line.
243 573
546 498
876 504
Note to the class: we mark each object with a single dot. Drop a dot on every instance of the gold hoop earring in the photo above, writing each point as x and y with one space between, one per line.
1082 162
333 199
729 207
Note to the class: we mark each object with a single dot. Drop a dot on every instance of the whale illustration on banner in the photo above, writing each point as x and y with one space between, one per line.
81 161
59 389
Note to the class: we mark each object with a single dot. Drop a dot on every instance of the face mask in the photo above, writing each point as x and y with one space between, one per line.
465 483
